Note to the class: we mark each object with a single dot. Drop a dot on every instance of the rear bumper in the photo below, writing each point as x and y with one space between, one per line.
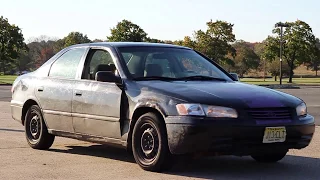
232 139
16 111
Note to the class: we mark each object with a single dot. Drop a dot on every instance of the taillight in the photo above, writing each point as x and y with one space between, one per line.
12 89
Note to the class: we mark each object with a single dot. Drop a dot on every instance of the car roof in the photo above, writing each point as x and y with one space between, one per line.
130 44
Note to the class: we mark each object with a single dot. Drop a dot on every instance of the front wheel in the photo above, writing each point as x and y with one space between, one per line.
150 144
36 130
269 157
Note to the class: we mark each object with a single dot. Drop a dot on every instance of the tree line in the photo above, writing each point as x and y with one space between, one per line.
218 42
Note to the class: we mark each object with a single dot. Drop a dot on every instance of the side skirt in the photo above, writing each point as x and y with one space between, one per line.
90 138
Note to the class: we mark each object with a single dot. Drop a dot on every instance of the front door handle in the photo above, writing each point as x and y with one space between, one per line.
40 89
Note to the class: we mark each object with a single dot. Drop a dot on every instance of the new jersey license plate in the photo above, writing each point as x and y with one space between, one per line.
274 134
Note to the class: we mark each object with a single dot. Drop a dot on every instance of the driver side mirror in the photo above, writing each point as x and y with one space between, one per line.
107 76
235 76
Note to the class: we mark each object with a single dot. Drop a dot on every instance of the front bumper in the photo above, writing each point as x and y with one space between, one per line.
199 135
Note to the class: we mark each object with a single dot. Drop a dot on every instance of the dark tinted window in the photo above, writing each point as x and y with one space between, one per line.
66 66
98 60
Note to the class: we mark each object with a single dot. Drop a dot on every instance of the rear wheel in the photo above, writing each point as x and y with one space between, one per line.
150 143
36 130
269 157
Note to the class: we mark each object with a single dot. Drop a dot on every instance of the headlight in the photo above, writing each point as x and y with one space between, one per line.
218 111
209 111
190 109
301 109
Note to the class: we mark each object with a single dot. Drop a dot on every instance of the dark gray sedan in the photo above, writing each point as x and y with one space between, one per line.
158 101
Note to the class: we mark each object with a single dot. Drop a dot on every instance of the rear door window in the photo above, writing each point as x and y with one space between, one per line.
66 66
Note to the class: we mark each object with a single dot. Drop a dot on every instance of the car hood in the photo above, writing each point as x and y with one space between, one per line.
230 94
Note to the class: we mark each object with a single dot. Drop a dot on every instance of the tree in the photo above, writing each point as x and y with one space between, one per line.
153 40
97 40
127 31
11 43
24 61
40 51
59 44
298 44
215 41
274 70
314 60
259 49
75 38
245 59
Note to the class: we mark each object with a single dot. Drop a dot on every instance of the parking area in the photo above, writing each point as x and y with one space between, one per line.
73 159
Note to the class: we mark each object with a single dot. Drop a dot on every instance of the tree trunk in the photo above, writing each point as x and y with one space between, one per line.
4 67
275 78
316 73
291 71
290 76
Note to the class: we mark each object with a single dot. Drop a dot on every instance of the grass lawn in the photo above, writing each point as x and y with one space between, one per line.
7 79
295 81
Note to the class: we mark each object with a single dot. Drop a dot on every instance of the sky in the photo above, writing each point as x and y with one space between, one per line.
162 19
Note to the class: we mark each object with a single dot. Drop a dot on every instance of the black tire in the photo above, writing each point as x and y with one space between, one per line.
269 157
150 143
36 130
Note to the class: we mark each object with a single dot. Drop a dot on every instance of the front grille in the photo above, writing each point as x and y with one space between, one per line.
270 114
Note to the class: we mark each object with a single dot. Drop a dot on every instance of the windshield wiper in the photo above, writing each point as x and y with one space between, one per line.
154 78
199 77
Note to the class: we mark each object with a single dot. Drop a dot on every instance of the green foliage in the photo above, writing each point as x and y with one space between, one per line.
75 38
274 68
11 43
152 40
126 31
314 60
298 44
59 44
24 61
97 40
245 59
215 41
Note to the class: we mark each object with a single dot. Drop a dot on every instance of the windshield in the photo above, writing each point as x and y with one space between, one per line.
169 63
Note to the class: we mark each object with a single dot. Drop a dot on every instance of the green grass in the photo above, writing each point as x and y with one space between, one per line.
7 79
295 81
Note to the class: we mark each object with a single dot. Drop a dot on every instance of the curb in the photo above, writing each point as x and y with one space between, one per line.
5 84
280 86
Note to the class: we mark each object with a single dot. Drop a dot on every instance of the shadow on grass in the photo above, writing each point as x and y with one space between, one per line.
223 167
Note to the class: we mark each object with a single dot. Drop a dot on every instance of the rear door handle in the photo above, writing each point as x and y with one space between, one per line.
78 93
40 89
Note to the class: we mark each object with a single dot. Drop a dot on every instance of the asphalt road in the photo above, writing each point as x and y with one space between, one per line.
73 159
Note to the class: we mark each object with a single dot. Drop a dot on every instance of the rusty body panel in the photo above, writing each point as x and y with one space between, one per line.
104 112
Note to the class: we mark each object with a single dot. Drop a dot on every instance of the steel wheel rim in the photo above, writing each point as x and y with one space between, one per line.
34 126
149 143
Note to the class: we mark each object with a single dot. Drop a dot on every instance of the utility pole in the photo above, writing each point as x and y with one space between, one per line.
281 31
281 25
264 69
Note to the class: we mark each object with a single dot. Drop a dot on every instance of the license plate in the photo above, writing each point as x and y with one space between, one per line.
274 134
